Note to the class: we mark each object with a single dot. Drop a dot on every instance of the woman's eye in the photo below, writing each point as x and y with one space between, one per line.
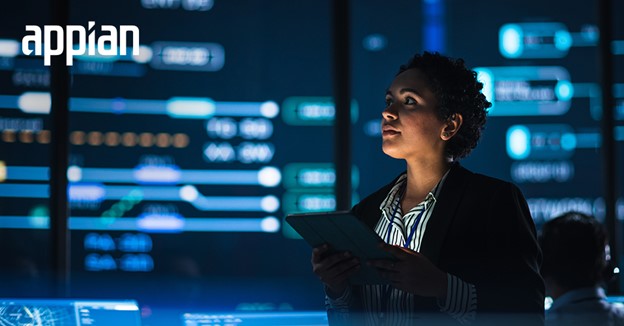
388 102
409 100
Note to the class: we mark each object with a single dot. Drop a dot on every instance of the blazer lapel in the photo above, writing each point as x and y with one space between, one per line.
368 210
444 212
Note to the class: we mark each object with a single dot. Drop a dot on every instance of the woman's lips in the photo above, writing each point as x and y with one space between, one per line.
390 132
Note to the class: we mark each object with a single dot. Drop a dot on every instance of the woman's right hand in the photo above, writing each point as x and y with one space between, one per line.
333 269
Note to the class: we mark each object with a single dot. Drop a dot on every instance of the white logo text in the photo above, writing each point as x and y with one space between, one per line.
106 45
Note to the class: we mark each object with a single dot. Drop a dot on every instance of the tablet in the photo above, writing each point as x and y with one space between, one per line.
343 231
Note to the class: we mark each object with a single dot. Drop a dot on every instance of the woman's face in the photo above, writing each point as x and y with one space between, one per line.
411 129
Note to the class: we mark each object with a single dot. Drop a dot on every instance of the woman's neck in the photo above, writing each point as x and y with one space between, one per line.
421 178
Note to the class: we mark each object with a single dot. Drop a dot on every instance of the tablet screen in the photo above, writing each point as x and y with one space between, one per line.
343 231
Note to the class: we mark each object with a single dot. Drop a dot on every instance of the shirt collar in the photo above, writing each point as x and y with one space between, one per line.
388 203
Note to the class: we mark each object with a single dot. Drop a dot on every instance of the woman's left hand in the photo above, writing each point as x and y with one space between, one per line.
412 272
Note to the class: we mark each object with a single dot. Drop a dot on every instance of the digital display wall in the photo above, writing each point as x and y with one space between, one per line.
185 158
541 72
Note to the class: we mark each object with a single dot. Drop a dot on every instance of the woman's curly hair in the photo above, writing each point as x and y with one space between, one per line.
457 90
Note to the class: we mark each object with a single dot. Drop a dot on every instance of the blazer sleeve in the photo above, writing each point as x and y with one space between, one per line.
512 283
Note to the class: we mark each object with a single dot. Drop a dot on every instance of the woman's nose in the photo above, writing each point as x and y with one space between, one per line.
389 113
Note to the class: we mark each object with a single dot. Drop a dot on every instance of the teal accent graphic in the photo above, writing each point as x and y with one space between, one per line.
534 40
518 142
564 90
541 142
563 40
314 175
568 141
526 91
313 111
189 107
510 41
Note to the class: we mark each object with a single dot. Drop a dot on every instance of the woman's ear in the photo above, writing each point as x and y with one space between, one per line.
453 123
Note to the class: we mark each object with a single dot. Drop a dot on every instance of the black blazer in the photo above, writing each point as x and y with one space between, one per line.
481 231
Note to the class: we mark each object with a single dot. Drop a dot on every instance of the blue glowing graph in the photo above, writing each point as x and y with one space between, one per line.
177 107
526 90
68 312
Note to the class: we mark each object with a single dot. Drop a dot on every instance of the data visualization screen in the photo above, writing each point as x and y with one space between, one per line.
541 73
186 156
69 312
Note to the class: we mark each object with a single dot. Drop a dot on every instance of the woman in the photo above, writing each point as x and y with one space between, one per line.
464 243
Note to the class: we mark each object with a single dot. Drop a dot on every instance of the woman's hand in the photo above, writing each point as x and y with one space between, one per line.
333 269
412 272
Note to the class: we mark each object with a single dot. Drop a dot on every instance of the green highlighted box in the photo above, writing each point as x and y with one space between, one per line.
313 111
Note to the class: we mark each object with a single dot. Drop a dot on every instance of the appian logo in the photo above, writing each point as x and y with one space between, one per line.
106 45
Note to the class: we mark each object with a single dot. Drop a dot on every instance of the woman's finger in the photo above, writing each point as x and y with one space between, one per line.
384 264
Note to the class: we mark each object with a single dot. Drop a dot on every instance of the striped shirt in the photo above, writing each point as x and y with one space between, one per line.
386 305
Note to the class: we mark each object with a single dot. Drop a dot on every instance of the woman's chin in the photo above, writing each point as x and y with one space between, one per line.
391 151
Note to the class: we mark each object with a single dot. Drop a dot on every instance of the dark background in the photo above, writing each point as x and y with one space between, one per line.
274 50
